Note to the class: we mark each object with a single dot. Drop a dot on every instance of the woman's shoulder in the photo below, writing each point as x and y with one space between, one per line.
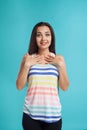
27 54
59 56
34 54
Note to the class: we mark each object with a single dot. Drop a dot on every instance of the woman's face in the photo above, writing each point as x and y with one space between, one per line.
43 37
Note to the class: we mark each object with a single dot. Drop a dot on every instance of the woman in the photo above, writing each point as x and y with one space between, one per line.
43 70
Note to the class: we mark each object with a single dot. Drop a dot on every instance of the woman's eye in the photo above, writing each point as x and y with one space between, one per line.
38 34
47 34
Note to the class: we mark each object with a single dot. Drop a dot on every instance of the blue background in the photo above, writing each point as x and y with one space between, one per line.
69 20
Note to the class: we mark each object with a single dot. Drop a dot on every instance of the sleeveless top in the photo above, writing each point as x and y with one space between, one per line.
42 100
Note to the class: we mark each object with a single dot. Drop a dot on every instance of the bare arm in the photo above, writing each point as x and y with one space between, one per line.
26 63
22 75
60 63
63 77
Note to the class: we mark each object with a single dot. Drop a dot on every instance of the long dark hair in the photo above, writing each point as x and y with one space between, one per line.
33 48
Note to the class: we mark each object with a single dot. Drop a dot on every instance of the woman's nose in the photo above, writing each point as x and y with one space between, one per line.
43 37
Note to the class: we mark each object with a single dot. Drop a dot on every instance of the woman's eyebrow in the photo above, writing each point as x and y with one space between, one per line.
45 32
38 32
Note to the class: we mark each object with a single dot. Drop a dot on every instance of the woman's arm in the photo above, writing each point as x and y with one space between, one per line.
27 62
22 75
63 77
58 60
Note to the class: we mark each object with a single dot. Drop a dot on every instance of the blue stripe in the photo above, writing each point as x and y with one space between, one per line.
43 69
41 73
48 117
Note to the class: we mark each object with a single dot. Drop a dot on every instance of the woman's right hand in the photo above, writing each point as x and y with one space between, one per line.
30 60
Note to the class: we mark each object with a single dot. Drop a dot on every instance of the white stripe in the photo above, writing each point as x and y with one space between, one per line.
44 71
44 66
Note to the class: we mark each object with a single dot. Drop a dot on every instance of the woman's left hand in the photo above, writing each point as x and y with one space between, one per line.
56 60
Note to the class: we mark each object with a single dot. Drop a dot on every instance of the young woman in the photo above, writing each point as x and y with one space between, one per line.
43 70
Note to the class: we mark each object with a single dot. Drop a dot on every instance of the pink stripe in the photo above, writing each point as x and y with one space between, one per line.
42 88
48 100
42 93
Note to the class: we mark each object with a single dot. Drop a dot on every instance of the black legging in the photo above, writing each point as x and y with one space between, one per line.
31 124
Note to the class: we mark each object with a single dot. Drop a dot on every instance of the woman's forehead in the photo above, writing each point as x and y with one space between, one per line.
43 28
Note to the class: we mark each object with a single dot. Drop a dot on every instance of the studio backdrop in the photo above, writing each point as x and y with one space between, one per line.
69 20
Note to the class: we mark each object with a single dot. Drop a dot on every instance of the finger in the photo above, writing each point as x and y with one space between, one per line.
48 58
52 54
26 54
36 56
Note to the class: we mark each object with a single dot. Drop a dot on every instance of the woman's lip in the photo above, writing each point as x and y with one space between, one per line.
43 43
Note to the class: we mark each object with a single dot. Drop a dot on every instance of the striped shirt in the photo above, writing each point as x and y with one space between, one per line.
42 100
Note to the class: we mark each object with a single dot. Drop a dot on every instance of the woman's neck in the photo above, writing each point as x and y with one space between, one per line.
43 52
